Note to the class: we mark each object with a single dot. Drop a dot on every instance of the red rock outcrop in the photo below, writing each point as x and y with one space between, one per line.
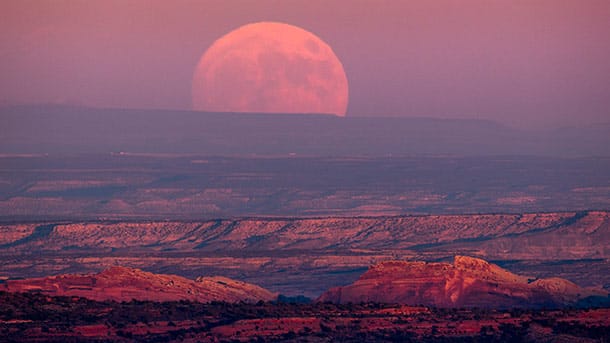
125 284
310 255
468 282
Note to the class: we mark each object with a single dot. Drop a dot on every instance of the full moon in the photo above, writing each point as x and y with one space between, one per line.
270 67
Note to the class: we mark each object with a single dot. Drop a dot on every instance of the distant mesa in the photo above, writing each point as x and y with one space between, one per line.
126 284
80 130
468 282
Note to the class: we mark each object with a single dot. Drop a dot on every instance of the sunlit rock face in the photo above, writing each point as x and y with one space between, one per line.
125 284
315 254
468 282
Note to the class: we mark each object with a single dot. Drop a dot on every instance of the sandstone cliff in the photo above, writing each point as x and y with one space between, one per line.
125 284
566 235
310 255
468 282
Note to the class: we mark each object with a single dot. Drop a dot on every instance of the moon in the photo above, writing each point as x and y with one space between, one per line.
270 67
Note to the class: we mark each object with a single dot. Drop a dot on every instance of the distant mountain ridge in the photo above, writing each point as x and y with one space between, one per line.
57 129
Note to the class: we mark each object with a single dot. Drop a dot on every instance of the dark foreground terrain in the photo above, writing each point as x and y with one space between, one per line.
34 317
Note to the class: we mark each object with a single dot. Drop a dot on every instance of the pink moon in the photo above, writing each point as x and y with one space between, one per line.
270 67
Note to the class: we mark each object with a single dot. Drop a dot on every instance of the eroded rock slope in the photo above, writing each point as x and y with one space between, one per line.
468 282
125 284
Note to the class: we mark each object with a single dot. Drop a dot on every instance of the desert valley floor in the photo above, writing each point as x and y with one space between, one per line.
254 248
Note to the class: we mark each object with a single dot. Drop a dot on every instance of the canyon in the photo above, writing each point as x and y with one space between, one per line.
307 256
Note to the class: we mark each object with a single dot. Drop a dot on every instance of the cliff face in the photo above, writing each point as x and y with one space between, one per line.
468 282
310 255
125 284
566 235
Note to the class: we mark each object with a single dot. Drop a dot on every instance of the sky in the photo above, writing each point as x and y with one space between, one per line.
525 63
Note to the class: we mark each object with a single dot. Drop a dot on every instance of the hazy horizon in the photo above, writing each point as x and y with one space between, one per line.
75 129
45 105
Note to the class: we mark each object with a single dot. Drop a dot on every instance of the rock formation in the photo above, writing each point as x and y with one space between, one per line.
125 284
310 255
468 282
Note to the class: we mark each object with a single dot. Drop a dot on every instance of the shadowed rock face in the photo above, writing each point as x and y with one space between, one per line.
468 282
125 284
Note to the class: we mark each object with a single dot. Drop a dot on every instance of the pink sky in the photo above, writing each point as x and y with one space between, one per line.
525 63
